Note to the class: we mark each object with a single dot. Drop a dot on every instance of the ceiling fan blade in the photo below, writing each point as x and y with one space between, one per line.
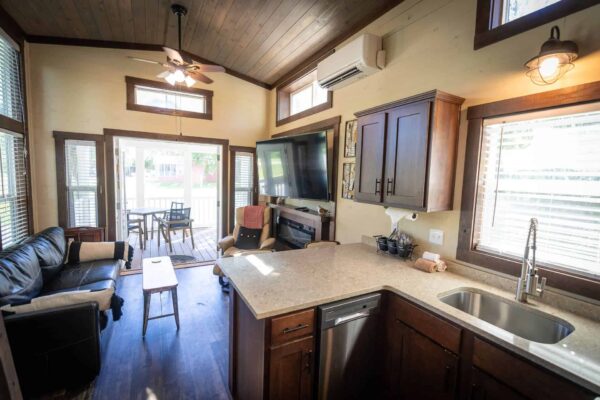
208 67
146 61
163 75
174 55
200 77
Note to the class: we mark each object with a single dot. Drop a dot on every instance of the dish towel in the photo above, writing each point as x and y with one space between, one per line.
253 217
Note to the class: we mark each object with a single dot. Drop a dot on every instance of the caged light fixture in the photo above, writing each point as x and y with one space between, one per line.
554 60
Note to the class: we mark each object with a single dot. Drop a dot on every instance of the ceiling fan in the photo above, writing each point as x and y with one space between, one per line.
180 70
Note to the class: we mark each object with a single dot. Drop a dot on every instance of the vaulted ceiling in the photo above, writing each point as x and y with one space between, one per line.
260 39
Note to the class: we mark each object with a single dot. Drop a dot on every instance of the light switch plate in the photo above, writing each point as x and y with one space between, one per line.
436 236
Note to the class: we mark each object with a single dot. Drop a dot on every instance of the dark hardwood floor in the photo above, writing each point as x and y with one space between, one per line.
167 364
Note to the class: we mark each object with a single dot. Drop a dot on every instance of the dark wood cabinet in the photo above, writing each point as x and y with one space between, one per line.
85 234
484 387
291 370
369 157
406 152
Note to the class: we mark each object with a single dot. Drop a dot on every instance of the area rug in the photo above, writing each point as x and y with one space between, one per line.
177 259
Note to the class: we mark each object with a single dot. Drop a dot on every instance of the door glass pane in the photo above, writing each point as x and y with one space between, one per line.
244 179
82 182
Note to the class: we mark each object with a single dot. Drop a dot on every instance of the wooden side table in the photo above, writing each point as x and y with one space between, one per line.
158 276
85 234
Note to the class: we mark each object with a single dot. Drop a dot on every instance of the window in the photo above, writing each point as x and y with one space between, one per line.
535 157
300 98
243 179
80 179
14 214
547 167
161 98
500 19
11 97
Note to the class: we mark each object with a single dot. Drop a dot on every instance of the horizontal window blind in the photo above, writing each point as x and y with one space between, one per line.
170 99
542 165
14 218
82 182
244 179
11 98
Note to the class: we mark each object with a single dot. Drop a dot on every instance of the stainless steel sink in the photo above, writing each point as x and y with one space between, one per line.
511 316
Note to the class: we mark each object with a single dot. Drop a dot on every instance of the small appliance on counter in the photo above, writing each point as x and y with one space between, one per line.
398 244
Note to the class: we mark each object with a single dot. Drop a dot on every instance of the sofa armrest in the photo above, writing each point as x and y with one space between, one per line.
226 242
54 348
267 244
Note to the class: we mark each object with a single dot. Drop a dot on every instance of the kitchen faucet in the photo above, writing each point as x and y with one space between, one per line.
529 283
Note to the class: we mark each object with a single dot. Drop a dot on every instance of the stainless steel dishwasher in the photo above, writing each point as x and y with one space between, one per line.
348 347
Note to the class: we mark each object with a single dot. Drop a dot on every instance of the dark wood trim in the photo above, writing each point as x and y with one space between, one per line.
557 278
110 167
132 82
106 44
62 203
332 123
11 27
321 53
303 114
232 151
432 94
12 124
488 29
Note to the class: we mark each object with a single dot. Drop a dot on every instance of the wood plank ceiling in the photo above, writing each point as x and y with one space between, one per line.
261 39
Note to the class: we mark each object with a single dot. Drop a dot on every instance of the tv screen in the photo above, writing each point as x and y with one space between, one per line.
294 166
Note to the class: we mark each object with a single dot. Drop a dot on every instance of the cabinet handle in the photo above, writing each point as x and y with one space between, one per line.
377 188
478 392
387 186
308 361
447 376
294 328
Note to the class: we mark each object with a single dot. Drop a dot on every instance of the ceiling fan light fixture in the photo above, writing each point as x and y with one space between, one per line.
553 61
171 79
189 81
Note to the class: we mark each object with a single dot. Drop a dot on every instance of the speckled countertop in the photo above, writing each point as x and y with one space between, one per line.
277 283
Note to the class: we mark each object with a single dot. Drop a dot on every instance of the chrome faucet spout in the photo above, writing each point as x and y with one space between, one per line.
529 282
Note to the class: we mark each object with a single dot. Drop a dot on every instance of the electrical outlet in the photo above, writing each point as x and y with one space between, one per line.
436 236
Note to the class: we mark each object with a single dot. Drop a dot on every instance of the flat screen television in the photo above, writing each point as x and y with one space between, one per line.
294 166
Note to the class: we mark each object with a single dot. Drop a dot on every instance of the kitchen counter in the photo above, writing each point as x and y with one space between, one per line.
272 284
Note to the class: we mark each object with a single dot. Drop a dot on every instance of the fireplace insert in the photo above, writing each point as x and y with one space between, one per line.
294 234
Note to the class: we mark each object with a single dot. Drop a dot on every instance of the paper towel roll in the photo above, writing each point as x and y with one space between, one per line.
396 214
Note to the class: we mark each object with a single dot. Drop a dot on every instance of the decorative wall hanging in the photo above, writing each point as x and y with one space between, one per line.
348 181
350 138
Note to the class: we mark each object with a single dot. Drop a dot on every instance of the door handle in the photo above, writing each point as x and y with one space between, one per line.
377 183
387 186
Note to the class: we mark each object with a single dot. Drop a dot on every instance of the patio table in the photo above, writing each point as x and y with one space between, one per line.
144 212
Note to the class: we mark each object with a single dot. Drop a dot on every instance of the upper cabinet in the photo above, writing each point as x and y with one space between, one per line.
406 152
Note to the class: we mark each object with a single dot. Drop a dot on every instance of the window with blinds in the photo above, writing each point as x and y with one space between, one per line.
82 182
11 97
244 179
543 165
14 218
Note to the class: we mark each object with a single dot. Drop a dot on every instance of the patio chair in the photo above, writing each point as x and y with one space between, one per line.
136 225
177 219
155 217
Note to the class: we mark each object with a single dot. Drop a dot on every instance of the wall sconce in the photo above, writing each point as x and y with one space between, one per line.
554 60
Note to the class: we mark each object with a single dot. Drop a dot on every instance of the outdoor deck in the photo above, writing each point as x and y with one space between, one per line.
205 251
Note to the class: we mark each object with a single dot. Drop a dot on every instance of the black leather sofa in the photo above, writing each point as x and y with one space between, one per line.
54 311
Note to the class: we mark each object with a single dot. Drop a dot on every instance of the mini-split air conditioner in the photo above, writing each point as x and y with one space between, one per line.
359 58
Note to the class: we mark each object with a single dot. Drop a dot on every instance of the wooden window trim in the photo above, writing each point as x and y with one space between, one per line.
132 82
295 82
110 134
61 178
232 151
570 281
489 30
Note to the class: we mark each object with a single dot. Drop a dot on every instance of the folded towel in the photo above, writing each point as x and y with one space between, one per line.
431 256
253 217
430 266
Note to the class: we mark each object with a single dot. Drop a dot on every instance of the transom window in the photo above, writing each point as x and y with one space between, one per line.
300 98
309 96
160 98
543 165
513 9
11 98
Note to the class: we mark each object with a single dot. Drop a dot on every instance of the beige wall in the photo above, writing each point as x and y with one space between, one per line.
429 46
82 89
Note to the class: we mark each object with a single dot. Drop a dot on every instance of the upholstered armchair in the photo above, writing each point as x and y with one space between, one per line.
228 248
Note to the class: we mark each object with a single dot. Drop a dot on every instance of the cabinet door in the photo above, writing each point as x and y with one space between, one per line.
291 370
369 158
428 370
406 155
484 387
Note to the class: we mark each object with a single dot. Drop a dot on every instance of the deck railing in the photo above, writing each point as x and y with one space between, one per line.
204 210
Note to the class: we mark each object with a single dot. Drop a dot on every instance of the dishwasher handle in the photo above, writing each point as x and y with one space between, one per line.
350 317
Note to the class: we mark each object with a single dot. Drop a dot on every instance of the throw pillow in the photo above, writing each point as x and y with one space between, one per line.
248 239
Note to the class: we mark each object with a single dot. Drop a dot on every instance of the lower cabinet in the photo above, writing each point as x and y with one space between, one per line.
484 387
291 370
